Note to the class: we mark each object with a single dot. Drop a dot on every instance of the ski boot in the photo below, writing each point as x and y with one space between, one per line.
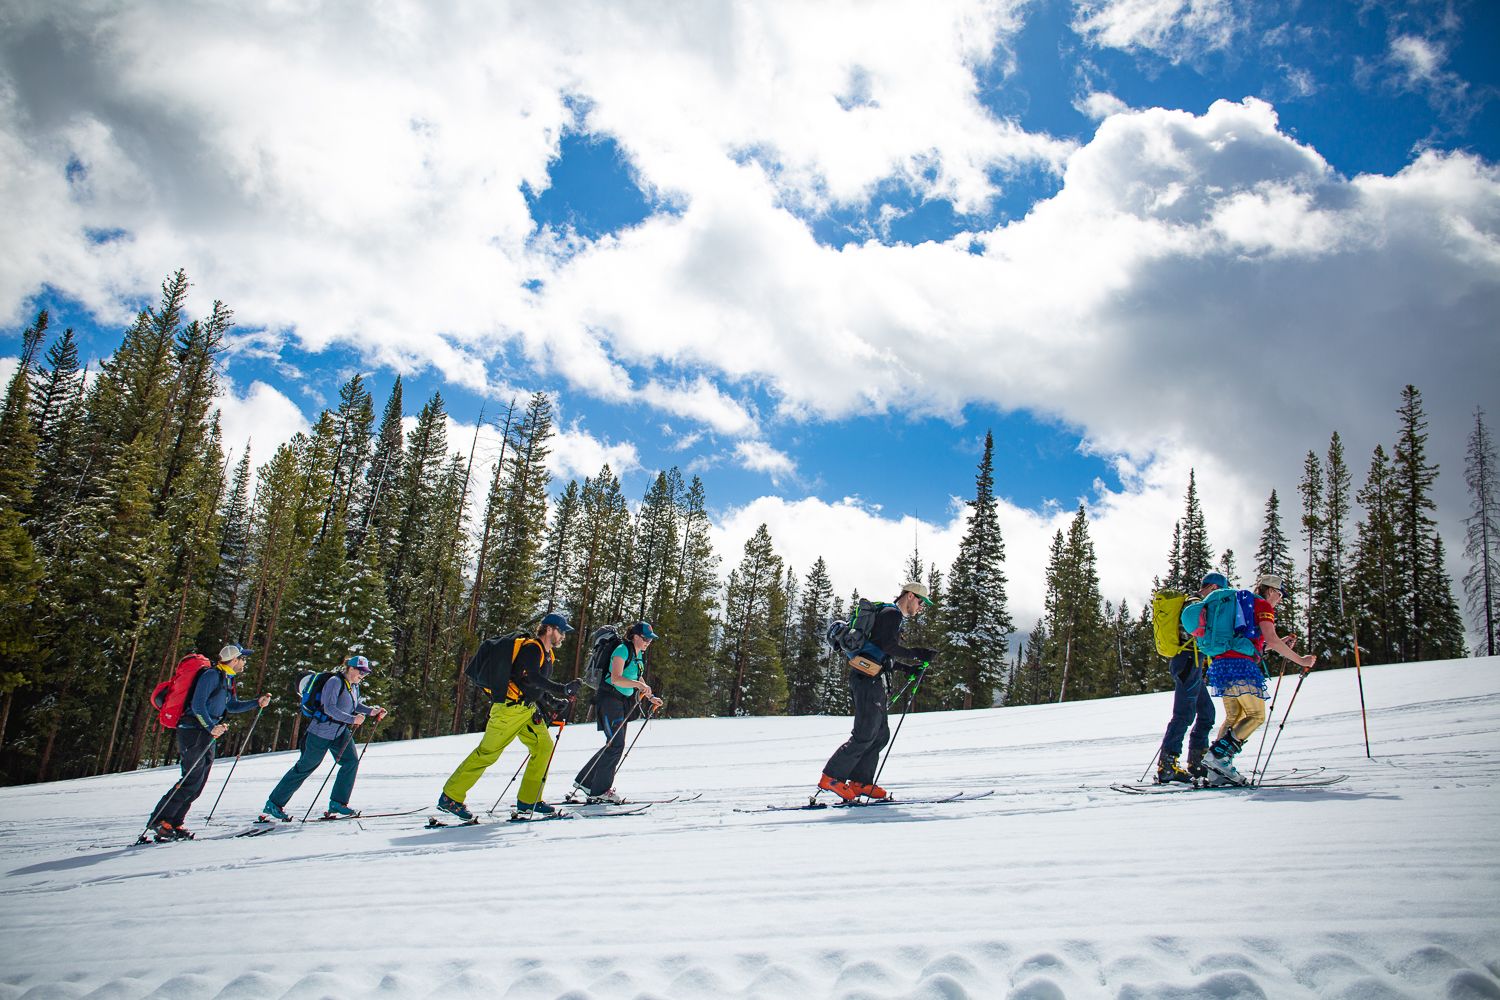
610 797
1169 771
454 807
871 791
536 809
1220 759
1195 766
845 790
272 811
337 810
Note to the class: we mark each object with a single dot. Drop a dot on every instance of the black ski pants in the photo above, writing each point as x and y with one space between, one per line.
857 759
598 775
196 748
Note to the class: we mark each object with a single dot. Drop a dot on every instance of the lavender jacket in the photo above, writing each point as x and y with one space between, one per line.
341 702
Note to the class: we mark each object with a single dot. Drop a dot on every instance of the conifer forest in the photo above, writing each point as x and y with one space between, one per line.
129 538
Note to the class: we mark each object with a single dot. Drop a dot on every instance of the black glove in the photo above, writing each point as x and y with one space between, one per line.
573 687
924 656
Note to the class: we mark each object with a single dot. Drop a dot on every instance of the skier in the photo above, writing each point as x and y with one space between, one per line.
532 691
850 772
212 696
1191 706
1236 677
613 706
340 710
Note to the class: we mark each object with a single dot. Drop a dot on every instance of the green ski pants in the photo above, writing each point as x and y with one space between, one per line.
506 723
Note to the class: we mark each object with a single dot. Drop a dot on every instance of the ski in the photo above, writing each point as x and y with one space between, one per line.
576 802
631 809
931 801
1277 782
334 817
433 823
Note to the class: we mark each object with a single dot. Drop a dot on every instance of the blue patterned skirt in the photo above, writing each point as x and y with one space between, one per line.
1235 676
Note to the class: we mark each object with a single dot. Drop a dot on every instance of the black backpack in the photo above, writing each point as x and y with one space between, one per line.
310 693
850 638
489 668
602 644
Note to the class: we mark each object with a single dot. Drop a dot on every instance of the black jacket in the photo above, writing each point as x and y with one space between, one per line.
531 674
885 633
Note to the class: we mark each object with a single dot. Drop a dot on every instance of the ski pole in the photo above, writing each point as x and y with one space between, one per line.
1361 679
648 716
561 725
524 761
892 745
909 682
243 745
617 734
350 734
1284 715
1271 714
168 797
1149 766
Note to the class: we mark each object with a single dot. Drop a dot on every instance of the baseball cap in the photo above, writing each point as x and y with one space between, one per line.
358 663
557 621
232 651
917 588
643 629
1214 579
1269 580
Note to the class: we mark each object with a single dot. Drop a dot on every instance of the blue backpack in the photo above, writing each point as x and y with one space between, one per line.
1222 622
310 693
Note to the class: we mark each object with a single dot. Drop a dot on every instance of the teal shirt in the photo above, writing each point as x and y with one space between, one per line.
631 670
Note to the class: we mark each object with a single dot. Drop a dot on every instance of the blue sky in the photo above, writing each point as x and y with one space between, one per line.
809 254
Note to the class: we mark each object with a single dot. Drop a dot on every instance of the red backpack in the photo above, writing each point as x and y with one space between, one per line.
170 697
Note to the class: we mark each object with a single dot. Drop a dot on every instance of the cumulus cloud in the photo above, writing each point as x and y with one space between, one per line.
757 456
357 178
868 549
261 420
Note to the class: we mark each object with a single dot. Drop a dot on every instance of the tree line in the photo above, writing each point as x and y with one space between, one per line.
128 538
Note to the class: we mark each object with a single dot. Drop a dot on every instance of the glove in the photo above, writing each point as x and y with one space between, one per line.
573 687
924 656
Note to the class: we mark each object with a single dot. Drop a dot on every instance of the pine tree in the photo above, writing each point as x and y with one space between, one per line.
1074 614
225 614
834 691
1197 554
805 670
1482 535
512 594
353 421
1328 632
1310 489
753 603
1274 555
20 569
1413 483
1230 568
684 669
376 505
1375 596
977 613
1447 631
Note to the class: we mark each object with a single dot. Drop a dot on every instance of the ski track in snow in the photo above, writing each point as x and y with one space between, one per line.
1383 886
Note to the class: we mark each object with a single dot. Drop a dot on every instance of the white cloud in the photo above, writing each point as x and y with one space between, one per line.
1175 29
757 456
1099 105
262 420
1421 59
702 401
867 549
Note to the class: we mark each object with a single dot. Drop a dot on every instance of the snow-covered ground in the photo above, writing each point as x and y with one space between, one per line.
1387 885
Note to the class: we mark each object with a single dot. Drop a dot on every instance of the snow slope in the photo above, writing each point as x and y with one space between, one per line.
1387 885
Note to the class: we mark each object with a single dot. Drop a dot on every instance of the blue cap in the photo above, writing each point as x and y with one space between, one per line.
1214 579
557 621
358 663
643 629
